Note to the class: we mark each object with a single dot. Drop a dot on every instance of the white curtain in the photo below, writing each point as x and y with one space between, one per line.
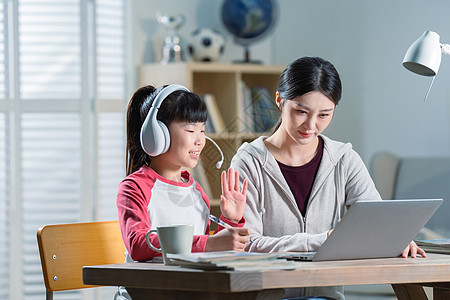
62 135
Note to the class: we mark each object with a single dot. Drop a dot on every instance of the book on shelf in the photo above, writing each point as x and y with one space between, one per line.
247 108
435 245
265 111
214 115
232 260
208 126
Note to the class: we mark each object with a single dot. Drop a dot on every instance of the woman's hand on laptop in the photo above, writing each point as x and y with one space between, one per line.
413 250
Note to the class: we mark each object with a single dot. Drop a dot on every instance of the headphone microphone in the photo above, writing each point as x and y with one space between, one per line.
220 162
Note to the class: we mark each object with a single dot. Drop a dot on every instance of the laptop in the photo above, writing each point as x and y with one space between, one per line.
374 229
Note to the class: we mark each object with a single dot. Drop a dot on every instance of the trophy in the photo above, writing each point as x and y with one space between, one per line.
172 51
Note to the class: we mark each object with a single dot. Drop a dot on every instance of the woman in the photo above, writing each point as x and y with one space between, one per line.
300 181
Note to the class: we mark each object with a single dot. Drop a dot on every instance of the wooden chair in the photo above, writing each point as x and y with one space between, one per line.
64 250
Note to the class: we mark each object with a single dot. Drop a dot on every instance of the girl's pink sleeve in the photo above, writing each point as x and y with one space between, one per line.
135 222
199 243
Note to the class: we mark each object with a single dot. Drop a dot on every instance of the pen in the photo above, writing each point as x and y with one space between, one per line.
222 223
219 221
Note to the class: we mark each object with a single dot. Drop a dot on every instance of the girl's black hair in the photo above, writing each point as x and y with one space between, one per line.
179 105
309 74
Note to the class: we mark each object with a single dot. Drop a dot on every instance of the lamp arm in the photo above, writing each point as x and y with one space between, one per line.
445 49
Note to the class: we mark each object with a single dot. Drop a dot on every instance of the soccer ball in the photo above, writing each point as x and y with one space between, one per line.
206 45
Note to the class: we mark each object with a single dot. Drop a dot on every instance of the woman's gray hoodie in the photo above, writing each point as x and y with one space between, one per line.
272 214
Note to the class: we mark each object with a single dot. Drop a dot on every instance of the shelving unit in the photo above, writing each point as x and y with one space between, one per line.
224 81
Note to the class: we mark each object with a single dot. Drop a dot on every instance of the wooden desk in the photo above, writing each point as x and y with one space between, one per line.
171 282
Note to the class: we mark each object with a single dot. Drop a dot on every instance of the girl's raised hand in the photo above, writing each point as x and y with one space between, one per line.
232 200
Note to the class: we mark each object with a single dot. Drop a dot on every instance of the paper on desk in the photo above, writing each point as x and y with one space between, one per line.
231 260
435 246
217 256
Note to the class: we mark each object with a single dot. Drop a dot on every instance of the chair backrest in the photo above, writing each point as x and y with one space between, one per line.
65 248
414 178
384 169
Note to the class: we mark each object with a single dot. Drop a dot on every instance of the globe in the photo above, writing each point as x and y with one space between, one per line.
249 21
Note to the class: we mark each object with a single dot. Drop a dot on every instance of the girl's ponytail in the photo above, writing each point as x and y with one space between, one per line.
135 156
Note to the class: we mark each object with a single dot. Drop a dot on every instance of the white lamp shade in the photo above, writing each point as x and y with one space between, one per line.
423 57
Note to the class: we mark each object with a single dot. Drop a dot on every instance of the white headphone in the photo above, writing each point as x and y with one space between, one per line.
155 137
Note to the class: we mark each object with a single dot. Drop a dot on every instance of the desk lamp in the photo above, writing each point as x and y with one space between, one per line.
423 57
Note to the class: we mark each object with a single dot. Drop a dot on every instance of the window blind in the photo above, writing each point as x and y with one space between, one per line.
110 100
4 210
111 162
50 64
64 118
4 164
110 53
2 51
51 183
110 29
49 49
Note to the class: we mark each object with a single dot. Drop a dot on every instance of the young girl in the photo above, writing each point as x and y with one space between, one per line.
156 192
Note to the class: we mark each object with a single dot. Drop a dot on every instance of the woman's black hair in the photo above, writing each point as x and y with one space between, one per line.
179 105
308 74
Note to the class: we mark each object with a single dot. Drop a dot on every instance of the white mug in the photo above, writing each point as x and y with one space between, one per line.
176 239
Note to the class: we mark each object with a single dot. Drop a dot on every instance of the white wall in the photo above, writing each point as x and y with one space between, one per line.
397 118
382 106
332 30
